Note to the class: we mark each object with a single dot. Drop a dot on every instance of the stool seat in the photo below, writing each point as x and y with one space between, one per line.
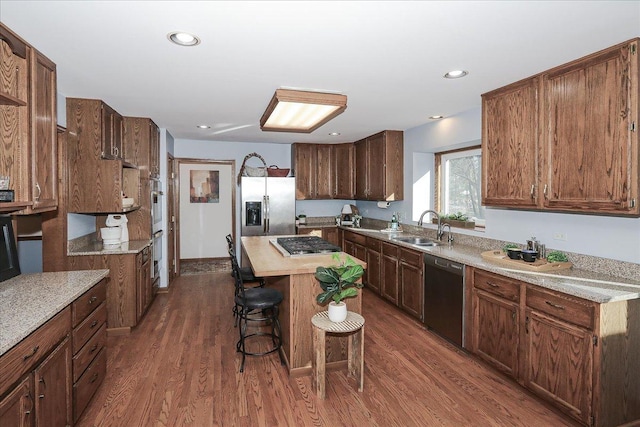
259 298
353 325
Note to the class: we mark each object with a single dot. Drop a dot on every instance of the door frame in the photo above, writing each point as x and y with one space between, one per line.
171 219
177 163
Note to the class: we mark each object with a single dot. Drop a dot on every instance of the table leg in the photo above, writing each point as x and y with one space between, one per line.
319 362
356 357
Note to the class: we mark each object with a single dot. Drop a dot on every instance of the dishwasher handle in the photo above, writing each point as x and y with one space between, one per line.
444 264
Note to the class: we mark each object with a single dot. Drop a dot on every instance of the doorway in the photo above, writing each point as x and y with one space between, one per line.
205 214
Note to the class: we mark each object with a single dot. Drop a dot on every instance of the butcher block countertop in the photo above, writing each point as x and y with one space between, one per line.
267 261
28 301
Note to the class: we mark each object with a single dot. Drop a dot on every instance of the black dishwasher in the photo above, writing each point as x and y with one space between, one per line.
444 298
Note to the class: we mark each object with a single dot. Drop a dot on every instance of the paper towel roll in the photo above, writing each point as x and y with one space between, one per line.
383 205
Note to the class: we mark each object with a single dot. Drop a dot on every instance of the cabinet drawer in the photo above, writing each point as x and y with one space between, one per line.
21 358
88 383
496 285
356 238
565 307
89 326
411 257
84 357
390 250
373 244
88 302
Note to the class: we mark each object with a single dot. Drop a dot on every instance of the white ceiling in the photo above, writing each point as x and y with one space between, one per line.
387 57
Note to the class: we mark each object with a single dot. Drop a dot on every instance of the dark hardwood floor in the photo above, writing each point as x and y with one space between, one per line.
179 367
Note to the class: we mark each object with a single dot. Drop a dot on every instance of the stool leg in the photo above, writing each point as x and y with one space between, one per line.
356 357
318 362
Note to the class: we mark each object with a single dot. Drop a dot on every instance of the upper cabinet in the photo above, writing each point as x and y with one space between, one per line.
323 171
566 139
27 125
379 167
97 184
141 145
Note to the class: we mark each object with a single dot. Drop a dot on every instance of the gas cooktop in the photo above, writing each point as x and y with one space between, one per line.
304 245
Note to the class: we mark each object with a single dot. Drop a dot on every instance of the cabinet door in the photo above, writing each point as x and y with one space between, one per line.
16 409
323 172
559 363
350 248
509 142
343 168
107 113
44 162
362 167
154 148
360 252
373 270
495 334
330 234
304 164
53 388
376 167
412 289
118 131
591 147
389 282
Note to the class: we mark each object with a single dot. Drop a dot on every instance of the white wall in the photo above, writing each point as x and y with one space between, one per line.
601 236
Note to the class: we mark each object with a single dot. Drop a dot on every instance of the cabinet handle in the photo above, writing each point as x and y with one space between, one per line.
41 396
93 299
513 317
545 191
94 348
93 324
493 285
94 378
37 198
558 306
533 187
34 351
526 325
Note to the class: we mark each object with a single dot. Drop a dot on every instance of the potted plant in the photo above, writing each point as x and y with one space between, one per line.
457 219
338 282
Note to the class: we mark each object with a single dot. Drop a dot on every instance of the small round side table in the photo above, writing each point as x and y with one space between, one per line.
353 325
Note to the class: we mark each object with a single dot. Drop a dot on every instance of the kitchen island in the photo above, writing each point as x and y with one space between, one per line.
294 277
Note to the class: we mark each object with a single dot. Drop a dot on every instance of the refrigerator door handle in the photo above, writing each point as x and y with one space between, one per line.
268 213
264 214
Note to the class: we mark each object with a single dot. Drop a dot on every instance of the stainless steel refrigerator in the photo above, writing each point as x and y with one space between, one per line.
268 206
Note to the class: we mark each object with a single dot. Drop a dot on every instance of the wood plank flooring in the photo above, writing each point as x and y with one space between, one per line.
179 367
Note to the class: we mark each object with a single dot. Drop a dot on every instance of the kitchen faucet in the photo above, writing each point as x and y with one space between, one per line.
439 232
449 236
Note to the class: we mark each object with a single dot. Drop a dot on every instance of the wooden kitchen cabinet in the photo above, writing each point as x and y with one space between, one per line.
17 408
28 125
510 146
313 171
590 136
373 260
379 167
141 145
52 388
342 164
144 288
573 129
496 316
96 184
411 274
389 287
112 131
35 376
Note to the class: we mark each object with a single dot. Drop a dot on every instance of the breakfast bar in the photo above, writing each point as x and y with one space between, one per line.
294 277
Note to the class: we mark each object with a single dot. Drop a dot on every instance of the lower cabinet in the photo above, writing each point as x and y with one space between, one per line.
412 282
373 264
389 287
144 287
35 377
578 355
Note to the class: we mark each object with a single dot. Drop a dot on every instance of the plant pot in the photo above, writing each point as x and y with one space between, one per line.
456 223
337 311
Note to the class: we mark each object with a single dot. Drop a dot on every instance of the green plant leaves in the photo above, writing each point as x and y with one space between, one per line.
339 282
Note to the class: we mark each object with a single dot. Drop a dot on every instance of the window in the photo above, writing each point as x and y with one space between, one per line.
459 183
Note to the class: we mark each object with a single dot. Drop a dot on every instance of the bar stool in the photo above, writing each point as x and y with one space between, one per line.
247 273
353 325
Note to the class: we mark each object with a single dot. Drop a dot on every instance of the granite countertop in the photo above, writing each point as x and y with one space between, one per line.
593 286
96 248
29 300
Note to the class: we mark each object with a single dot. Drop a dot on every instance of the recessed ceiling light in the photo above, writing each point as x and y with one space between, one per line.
204 127
456 74
183 39
334 134
436 117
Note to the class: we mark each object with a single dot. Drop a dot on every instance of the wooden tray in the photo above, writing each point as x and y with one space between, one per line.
499 257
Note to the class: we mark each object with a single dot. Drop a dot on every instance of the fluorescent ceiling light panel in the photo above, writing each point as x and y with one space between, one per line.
301 111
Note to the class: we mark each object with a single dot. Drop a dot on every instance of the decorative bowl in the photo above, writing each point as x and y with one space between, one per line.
514 253
529 256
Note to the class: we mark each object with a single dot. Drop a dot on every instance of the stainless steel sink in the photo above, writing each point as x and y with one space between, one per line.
414 240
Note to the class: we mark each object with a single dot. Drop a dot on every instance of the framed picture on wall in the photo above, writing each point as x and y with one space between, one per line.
204 186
